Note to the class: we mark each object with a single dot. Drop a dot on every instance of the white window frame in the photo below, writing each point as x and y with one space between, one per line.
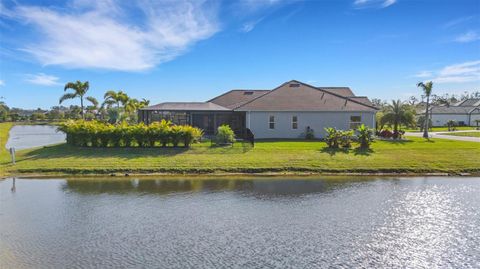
270 121
355 124
294 122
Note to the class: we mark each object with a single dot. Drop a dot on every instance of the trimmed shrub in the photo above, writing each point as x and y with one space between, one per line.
225 135
309 133
98 134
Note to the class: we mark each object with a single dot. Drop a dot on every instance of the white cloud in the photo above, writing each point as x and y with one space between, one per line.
469 36
457 21
423 74
106 35
2 82
249 26
455 73
373 3
253 5
43 79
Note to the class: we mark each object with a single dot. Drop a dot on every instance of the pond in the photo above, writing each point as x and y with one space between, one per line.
30 136
245 223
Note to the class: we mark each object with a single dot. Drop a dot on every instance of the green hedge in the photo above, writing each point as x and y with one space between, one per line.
98 134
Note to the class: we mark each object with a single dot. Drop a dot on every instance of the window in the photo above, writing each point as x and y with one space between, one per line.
248 93
294 122
271 122
294 85
355 121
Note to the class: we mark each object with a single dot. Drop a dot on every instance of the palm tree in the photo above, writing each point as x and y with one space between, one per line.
398 113
94 103
133 105
80 89
113 97
427 91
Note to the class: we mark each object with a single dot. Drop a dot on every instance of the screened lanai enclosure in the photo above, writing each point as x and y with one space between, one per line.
206 116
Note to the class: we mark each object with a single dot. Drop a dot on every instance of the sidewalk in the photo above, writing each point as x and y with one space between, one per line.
452 137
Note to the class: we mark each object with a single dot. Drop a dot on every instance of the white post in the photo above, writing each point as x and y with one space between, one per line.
12 153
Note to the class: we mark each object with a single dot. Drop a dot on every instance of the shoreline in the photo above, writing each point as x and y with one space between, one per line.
219 175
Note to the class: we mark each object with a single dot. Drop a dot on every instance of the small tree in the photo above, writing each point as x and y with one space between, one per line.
332 137
225 135
365 136
346 138
451 125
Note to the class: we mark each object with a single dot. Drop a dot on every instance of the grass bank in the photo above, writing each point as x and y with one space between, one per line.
4 155
416 156
469 134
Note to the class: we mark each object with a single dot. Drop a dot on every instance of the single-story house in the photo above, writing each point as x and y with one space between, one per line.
283 112
465 112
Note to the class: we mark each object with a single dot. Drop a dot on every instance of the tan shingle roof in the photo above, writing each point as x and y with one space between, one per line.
343 91
297 96
236 98
362 99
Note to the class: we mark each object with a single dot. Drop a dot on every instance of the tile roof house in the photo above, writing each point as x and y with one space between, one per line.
284 112
465 112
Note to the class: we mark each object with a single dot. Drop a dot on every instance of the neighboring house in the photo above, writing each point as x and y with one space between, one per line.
464 113
284 112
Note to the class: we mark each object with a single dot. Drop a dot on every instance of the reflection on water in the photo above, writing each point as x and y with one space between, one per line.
248 223
30 136
147 186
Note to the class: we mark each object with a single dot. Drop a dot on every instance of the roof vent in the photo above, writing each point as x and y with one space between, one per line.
248 93
294 85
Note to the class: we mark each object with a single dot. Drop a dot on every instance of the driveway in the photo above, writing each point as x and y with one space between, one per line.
452 137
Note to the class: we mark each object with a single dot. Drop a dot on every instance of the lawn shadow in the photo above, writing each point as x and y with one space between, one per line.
397 142
363 151
65 151
333 152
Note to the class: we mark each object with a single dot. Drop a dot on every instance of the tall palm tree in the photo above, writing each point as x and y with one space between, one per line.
113 97
427 91
398 113
79 90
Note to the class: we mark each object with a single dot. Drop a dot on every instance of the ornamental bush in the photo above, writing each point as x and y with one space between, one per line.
225 135
332 138
98 134
365 136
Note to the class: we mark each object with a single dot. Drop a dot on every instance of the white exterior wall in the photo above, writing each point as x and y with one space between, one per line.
258 122
442 119
474 116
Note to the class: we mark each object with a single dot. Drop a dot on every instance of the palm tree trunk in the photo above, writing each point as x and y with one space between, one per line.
81 105
425 128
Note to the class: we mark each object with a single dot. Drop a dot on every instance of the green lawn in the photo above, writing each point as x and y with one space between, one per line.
442 129
416 156
470 134
4 155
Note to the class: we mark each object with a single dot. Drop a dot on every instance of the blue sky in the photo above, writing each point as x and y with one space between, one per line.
195 50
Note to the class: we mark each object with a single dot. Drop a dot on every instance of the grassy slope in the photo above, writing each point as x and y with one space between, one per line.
417 155
470 134
4 155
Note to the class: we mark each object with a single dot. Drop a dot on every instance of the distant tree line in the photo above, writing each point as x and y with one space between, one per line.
117 106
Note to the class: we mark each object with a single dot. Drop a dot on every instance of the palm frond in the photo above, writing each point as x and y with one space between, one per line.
67 96
92 100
